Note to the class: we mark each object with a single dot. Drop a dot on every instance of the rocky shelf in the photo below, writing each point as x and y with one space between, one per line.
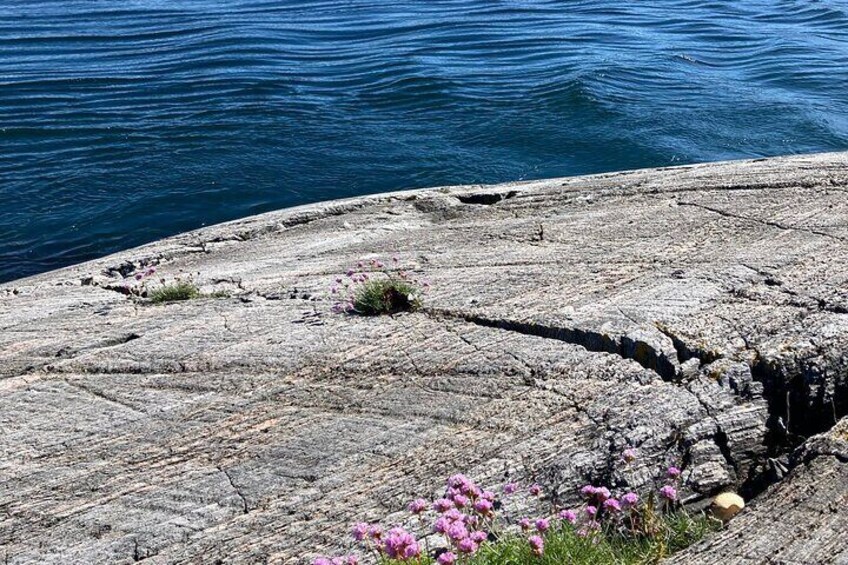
698 313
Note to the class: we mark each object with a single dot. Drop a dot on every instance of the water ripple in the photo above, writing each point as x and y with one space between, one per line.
125 122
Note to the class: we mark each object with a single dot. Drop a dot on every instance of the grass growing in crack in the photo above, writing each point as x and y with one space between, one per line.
174 292
386 296
142 285
472 526
373 289
565 544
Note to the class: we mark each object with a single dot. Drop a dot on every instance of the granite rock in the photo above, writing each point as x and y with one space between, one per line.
697 314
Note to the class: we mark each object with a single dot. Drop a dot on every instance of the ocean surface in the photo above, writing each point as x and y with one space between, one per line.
126 121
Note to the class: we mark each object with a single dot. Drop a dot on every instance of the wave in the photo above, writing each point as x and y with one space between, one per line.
122 123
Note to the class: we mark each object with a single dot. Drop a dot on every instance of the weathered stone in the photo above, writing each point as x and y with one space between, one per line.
801 519
695 313
727 505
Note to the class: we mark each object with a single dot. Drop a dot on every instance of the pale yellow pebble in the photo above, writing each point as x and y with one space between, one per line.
727 505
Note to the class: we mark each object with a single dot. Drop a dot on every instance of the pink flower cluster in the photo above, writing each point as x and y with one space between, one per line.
401 545
463 512
600 505
344 288
397 543
466 514
149 272
669 491
537 545
136 284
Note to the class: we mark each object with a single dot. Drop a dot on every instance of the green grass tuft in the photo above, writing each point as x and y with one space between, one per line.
174 292
671 533
386 296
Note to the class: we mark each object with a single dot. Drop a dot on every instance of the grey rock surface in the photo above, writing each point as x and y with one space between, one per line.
698 314
801 519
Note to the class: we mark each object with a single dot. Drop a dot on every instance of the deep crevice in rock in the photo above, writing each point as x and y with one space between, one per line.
794 413
486 198
798 399
622 345
684 352
797 404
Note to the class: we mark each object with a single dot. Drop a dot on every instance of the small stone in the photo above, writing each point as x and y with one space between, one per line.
727 505
689 369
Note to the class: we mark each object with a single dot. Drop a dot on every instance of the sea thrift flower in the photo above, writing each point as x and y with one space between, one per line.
459 481
588 491
460 500
375 531
537 545
441 525
457 531
543 524
483 506
673 472
400 544
629 454
360 531
668 492
510 488
524 523
351 560
591 510
418 506
602 493
467 545
322 561
535 490
630 499
443 505
488 495
479 536
612 504
569 516
446 558
454 515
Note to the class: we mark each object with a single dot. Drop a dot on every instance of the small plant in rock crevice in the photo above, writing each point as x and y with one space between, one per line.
472 526
174 292
373 289
143 285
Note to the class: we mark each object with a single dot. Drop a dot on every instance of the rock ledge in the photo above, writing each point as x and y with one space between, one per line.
698 314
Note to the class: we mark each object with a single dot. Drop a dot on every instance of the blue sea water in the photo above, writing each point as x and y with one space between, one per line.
125 121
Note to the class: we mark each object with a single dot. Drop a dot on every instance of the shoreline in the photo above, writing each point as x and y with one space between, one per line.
294 215
696 313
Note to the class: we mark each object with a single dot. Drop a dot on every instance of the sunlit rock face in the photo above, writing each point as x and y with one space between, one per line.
696 314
